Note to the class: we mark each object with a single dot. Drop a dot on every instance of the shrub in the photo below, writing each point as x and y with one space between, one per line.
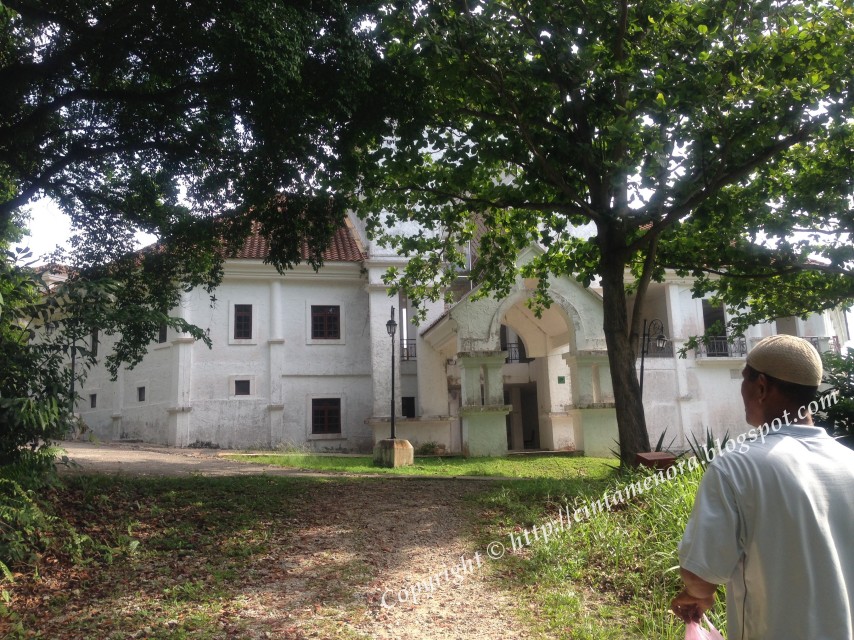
838 418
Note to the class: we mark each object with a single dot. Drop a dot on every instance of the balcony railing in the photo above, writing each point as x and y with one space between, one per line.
721 347
825 343
515 354
407 349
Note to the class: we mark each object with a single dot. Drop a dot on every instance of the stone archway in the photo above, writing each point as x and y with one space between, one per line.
571 374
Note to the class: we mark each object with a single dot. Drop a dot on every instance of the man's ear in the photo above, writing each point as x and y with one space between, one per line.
763 387
766 389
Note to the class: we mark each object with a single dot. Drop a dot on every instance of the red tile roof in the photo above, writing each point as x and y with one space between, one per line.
345 247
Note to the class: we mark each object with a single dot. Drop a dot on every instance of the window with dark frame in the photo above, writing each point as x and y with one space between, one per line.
140 394
243 322
325 415
93 400
242 387
407 406
325 322
714 318
94 343
162 333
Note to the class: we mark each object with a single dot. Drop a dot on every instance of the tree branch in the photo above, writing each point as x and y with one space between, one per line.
773 273
733 175
643 286
548 207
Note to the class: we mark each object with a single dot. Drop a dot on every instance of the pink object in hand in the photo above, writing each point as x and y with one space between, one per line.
693 631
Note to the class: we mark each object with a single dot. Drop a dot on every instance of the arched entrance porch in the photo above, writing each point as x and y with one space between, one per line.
563 390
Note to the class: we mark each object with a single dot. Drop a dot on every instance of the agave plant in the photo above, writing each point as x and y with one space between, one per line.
706 451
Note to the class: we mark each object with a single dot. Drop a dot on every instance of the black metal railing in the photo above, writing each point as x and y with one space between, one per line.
828 343
516 353
721 347
407 349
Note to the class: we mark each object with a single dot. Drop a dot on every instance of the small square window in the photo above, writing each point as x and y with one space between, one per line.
243 322
325 415
162 333
242 388
140 394
325 322
93 400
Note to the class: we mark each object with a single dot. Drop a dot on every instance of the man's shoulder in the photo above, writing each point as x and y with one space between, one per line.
787 455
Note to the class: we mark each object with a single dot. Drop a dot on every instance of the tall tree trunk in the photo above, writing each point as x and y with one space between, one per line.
631 423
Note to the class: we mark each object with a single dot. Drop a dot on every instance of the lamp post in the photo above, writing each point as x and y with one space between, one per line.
655 328
391 327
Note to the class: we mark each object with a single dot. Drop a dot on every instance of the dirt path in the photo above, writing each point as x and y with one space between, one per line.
365 555
155 460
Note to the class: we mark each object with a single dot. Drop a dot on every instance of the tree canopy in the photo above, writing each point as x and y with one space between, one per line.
698 136
189 121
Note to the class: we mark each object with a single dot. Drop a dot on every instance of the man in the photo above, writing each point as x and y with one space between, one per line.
774 520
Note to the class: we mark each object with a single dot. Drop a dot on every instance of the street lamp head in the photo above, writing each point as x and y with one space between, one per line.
661 341
391 325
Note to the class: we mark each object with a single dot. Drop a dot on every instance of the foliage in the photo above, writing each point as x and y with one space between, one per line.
22 523
622 136
706 451
429 449
660 446
46 344
839 416
189 121
34 382
27 528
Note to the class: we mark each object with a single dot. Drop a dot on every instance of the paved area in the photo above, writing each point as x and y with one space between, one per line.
141 459
155 460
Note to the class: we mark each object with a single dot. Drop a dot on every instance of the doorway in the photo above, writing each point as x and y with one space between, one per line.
523 421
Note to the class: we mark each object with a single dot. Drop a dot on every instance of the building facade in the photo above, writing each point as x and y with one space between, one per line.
304 360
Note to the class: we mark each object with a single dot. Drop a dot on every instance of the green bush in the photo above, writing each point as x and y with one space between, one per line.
23 526
838 418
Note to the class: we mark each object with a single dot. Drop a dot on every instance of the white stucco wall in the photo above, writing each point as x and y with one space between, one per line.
189 388
190 395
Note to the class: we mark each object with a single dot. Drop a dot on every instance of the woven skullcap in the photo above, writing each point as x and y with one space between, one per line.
787 358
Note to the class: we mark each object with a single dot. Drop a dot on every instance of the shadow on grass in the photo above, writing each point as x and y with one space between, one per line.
202 557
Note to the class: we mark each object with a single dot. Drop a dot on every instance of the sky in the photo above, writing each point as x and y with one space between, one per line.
51 227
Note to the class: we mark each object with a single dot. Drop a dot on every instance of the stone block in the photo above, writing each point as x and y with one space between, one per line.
393 453
655 459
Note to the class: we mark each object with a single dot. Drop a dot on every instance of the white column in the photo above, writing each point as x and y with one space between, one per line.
676 316
484 431
381 303
275 399
182 368
431 367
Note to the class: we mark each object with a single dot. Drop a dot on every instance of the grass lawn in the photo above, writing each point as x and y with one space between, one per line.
122 557
556 467
610 576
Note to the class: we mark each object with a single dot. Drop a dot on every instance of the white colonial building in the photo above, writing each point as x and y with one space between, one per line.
304 359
